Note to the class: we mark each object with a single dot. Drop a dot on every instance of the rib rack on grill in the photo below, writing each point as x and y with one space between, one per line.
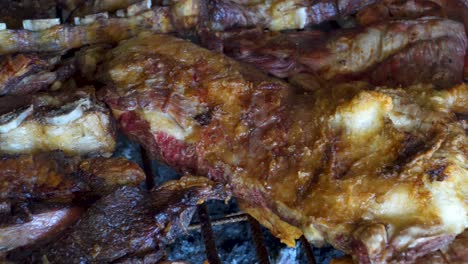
399 52
377 173
71 121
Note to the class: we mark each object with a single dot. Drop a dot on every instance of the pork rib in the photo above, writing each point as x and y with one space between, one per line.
71 121
377 173
399 52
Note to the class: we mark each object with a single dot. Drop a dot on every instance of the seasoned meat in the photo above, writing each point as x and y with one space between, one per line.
407 9
455 253
28 73
71 121
279 14
377 173
54 177
400 52
41 191
130 223
42 227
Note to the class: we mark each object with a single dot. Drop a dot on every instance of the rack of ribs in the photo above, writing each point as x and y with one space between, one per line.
377 172
71 121
392 53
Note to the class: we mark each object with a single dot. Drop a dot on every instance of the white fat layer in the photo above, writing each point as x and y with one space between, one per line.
40 24
313 235
363 115
77 111
288 14
88 134
397 203
13 122
120 13
450 204
138 7
164 122
76 20
92 18
20 235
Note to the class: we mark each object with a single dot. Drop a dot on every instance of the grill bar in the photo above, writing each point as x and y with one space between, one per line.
262 253
207 231
308 250
147 168
228 219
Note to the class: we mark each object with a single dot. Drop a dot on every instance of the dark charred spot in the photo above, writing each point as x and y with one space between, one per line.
461 116
410 148
204 118
437 173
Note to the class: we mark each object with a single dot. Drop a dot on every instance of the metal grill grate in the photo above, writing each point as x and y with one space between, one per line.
205 225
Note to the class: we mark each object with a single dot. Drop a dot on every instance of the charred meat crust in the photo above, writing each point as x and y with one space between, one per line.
130 222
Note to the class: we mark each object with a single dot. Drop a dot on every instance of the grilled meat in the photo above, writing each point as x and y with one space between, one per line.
410 9
54 177
277 15
377 173
27 73
71 121
401 52
41 227
41 189
131 223
100 30
455 253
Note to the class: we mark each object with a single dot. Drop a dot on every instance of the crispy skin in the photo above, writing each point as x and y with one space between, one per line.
400 52
379 174
54 177
130 223
71 121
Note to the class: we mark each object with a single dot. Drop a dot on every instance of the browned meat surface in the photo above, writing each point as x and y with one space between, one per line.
410 9
277 15
401 52
71 121
455 253
42 227
27 73
54 177
38 191
380 174
131 223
